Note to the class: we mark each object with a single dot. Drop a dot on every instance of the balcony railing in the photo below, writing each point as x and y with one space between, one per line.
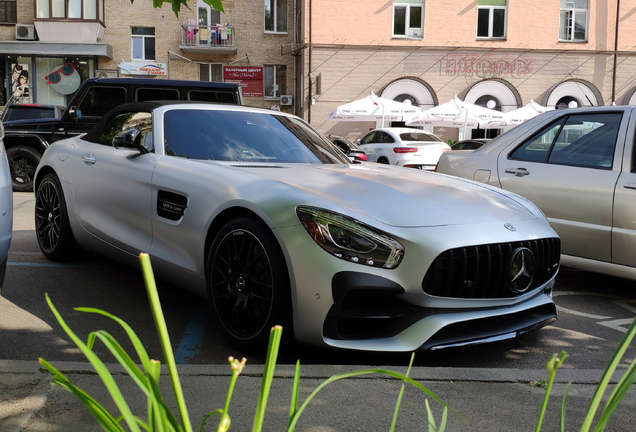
217 39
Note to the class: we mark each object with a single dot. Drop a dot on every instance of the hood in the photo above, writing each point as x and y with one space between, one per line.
397 196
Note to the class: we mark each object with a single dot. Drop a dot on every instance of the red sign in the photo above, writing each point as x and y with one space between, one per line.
249 78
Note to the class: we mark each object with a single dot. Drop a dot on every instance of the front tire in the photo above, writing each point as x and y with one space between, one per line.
52 227
248 283
23 161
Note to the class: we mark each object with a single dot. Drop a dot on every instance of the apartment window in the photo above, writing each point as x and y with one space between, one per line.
573 20
8 11
143 43
274 79
276 16
70 9
491 19
408 18
211 72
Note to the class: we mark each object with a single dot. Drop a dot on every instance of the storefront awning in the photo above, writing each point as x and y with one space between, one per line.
55 49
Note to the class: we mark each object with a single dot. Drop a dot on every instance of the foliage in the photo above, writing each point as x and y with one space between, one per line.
159 416
614 399
451 142
176 4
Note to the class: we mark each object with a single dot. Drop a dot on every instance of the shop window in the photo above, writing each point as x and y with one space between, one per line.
276 16
143 43
70 9
408 19
573 20
491 19
210 72
274 79
8 11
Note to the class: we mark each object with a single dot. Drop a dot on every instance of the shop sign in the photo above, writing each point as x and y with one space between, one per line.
138 68
488 65
250 79
64 79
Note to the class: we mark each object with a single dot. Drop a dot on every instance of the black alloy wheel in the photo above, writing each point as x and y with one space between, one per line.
23 161
248 283
52 227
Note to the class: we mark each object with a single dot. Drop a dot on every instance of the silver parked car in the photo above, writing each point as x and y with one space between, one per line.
257 211
577 165
6 207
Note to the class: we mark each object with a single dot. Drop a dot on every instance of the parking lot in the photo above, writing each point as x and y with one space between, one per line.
594 311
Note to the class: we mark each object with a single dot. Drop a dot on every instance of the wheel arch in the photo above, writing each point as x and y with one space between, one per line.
42 172
31 140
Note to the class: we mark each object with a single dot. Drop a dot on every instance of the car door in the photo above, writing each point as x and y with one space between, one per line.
624 232
368 144
112 184
567 170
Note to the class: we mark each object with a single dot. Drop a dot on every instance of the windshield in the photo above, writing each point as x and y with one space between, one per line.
418 136
245 137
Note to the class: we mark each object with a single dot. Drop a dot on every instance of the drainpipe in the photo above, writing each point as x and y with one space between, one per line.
618 8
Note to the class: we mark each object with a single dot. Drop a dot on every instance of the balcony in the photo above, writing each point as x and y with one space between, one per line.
198 39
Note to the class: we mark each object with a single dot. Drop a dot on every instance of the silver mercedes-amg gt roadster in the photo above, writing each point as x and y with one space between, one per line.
262 215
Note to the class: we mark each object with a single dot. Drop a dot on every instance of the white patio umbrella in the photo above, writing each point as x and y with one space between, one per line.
525 113
456 113
373 108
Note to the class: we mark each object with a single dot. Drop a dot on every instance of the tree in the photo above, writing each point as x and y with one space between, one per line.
176 4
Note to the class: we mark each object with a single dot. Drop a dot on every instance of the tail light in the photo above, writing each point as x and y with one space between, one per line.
445 150
362 157
405 149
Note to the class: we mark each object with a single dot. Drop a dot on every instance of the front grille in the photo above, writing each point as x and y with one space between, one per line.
483 272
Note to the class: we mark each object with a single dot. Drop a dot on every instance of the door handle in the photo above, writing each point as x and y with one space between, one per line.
519 172
89 159
629 185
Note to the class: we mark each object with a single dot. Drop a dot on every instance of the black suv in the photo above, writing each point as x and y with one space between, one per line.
26 140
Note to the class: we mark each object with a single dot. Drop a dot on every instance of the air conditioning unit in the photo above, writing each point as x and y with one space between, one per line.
25 31
286 100
106 73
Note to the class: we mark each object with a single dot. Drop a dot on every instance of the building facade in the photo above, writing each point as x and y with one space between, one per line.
48 47
558 53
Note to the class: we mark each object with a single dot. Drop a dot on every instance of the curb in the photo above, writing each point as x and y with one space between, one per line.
585 376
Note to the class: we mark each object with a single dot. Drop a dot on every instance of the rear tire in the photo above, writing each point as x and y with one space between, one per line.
23 161
52 227
248 284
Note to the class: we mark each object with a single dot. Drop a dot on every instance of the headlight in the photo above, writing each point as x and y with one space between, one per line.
349 239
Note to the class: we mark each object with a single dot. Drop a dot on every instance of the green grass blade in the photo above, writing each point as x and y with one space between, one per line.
607 375
207 416
124 359
337 377
619 392
442 426
139 347
565 396
399 399
103 417
295 393
101 370
268 374
164 338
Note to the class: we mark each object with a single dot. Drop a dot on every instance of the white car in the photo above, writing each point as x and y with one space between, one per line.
257 211
406 147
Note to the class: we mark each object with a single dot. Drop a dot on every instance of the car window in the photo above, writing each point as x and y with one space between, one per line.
245 136
368 138
418 136
148 94
28 113
129 128
582 140
383 138
99 100
211 96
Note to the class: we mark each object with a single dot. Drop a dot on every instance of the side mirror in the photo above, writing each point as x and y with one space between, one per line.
74 113
128 139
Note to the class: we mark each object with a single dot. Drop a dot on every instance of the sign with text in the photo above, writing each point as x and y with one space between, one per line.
250 79
488 65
